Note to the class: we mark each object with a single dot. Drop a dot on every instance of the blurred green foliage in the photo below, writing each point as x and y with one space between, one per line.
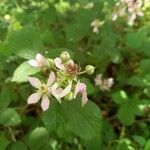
119 119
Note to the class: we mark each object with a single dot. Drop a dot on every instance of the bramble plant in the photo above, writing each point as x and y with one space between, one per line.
74 75
62 81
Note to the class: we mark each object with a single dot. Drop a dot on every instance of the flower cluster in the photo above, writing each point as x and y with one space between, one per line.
62 82
129 9
104 84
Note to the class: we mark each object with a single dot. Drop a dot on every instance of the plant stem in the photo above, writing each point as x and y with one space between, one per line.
11 134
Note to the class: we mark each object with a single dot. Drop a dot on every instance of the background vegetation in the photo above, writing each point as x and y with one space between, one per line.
118 119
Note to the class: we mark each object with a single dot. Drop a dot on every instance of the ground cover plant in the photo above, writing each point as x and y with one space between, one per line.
75 75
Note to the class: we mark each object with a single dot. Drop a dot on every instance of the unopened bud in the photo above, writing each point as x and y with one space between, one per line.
89 69
70 96
65 56
50 62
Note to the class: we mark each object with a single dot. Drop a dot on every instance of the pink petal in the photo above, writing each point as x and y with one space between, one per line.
51 79
84 98
76 90
34 98
45 102
80 87
58 63
33 63
66 90
40 58
35 82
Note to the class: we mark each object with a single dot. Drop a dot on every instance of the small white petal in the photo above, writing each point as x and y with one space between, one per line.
45 102
51 79
33 63
66 90
59 64
55 91
34 98
40 58
35 82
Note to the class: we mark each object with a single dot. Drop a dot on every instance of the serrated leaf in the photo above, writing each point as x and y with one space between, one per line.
54 117
25 43
22 73
9 117
81 121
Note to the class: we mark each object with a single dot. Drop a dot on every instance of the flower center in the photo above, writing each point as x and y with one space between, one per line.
44 89
72 69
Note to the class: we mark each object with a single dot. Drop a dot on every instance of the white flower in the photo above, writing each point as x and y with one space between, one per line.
130 9
104 84
81 88
38 62
43 91
96 24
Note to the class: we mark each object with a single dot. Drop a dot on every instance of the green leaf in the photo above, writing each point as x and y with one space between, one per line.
81 121
5 98
147 145
22 73
3 143
90 87
140 140
25 43
136 38
119 97
18 145
54 117
124 144
136 81
93 144
38 138
127 112
144 65
9 117
107 132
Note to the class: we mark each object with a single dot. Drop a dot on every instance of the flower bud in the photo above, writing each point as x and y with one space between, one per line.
50 62
89 69
65 56
69 97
